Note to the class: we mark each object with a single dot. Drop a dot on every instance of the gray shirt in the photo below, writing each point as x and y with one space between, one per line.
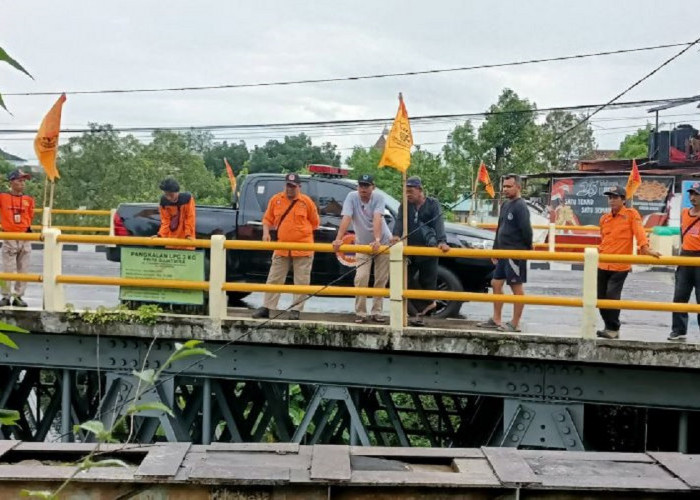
362 215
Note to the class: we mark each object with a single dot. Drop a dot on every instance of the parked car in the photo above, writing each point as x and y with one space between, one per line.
243 221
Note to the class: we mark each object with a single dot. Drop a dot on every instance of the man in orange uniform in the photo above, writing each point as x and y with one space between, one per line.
687 277
295 216
618 228
16 214
177 213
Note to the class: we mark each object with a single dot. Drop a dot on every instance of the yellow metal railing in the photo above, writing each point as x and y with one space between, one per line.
52 238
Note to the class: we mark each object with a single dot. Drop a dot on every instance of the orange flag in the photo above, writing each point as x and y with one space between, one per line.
231 177
483 177
397 152
46 142
633 181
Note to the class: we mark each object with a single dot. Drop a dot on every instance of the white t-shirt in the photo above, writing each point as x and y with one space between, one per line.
362 215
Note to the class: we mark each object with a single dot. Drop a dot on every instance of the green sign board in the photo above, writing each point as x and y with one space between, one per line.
161 263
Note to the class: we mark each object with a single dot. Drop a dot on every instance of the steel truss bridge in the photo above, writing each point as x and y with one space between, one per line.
314 383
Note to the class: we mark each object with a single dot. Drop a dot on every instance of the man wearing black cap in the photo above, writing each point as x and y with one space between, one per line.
618 229
687 277
16 214
295 217
426 227
365 209
177 212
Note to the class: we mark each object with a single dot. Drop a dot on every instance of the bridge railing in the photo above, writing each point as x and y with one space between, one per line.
53 279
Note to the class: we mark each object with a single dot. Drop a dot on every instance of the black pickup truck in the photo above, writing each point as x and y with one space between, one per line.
242 221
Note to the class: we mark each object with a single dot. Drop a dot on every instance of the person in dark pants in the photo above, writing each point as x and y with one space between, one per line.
514 232
687 277
426 227
618 229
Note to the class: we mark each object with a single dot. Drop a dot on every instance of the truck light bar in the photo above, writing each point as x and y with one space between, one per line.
328 170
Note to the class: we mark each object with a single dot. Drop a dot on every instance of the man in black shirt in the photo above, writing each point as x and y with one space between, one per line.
514 232
426 228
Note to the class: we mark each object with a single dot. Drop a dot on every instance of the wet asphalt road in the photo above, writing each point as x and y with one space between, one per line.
637 325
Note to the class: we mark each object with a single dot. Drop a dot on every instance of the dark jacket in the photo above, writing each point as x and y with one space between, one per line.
426 227
514 231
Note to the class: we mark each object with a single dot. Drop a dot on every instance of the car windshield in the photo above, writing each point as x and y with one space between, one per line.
389 201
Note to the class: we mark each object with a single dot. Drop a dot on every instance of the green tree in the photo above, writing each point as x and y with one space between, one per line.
635 145
509 137
237 155
292 155
463 154
562 147
365 161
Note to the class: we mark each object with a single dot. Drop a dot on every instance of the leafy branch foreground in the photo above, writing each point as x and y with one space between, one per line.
148 378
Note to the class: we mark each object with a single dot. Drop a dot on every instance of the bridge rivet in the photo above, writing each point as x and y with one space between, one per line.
571 442
333 365
551 389
564 391
514 439
113 343
578 391
124 344
566 430
112 361
578 371
133 363
512 367
123 362
521 427
565 370
538 389
560 417
526 415
524 388
388 379
511 386
525 369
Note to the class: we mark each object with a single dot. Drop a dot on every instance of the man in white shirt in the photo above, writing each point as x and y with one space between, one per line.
365 209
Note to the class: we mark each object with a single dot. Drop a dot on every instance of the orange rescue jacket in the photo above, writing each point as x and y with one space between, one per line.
299 224
617 232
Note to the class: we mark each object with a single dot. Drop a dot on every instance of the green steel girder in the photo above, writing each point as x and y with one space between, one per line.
503 377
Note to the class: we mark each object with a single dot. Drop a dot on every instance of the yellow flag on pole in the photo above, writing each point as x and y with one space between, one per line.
397 151
46 142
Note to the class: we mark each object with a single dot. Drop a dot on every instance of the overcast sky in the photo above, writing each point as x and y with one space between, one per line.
85 45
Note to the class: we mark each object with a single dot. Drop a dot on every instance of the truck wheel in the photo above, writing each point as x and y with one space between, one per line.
234 298
447 281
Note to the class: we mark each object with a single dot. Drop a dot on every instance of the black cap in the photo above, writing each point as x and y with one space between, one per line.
292 178
169 186
414 182
365 179
615 191
694 187
18 174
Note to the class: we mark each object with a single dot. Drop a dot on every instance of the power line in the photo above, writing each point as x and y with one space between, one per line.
339 124
357 77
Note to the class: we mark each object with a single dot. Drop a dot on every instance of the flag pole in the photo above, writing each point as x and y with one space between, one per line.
473 200
404 205
53 185
45 214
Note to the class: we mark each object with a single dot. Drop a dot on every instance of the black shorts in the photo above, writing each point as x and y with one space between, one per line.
514 271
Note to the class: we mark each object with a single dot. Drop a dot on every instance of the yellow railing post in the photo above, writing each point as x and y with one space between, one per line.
590 293
112 212
396 287
217 277
551 237
54 299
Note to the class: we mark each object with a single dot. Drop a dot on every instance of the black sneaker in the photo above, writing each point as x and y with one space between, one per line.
18 302
294 315
4 302
261 312
677 336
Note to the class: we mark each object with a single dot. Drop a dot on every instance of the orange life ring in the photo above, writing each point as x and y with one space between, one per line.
347 259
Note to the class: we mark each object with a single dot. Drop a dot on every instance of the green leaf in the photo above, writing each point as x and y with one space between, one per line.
7 341
2 104
97 428
8 417
37 494
191 344
186 353
148 376
5 327
155 405
4 56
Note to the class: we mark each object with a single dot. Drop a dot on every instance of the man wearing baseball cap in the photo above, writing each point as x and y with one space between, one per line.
687 277
295 217
618 230
426 227
365 209
16 214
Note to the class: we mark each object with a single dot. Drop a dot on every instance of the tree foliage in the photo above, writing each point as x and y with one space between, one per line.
564 142
635 145
5 57
291 155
